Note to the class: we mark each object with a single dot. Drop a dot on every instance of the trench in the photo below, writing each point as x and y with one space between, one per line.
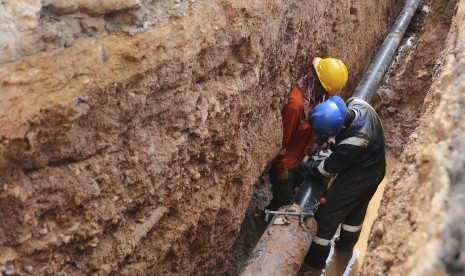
399 102
141 158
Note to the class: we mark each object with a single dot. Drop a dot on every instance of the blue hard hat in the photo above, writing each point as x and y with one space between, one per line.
341 104
328 117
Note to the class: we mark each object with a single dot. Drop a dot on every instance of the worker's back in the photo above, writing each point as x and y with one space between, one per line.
365 131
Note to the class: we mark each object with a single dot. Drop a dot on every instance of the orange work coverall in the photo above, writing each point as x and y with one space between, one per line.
297 133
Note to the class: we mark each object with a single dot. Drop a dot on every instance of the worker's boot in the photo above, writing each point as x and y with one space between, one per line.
317 255
346 241
282 190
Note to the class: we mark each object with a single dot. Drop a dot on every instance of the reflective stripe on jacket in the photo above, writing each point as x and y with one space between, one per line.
360 149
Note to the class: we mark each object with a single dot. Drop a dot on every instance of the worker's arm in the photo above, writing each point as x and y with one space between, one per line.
344 156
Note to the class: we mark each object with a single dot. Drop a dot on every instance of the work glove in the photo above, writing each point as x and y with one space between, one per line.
322 142
321 155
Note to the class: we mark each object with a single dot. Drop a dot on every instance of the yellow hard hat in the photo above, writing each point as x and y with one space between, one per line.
332 74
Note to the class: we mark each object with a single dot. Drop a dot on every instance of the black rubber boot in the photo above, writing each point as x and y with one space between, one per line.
282 190
347 242
317 255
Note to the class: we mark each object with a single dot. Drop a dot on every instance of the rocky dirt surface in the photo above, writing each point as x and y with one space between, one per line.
398 100
137 154
252 226
420 228
33 26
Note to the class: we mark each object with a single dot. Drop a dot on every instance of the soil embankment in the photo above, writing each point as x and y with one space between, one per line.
132 132
419 229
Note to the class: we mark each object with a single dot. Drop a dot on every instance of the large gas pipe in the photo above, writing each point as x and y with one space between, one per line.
284 244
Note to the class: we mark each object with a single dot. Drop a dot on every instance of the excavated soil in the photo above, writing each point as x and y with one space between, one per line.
136 152
133 132
399 100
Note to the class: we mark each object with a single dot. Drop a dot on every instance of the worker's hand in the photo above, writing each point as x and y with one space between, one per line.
283 176
331 141
306 158
311 150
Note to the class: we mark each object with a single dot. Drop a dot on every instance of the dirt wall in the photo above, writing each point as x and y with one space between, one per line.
420 228
136 152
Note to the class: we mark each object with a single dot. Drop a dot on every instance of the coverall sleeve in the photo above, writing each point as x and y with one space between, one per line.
344 156
290 117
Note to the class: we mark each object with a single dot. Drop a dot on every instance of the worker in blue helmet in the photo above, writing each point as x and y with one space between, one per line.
328 117
354 168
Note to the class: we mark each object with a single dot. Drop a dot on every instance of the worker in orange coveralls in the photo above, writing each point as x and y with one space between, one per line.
326 77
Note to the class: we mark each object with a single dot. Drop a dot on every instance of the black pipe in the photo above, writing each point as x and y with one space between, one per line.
309 193
304 195
370 81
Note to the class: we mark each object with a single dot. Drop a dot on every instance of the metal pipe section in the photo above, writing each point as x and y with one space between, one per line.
309 193
285 242
283 246
304 195
370 81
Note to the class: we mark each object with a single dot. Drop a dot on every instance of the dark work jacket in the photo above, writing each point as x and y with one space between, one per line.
358 156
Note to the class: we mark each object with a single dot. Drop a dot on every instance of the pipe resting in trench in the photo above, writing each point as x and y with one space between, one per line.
282 247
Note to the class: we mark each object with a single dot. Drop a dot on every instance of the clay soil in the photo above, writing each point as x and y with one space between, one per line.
142 158
417 231
400 99
136 152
